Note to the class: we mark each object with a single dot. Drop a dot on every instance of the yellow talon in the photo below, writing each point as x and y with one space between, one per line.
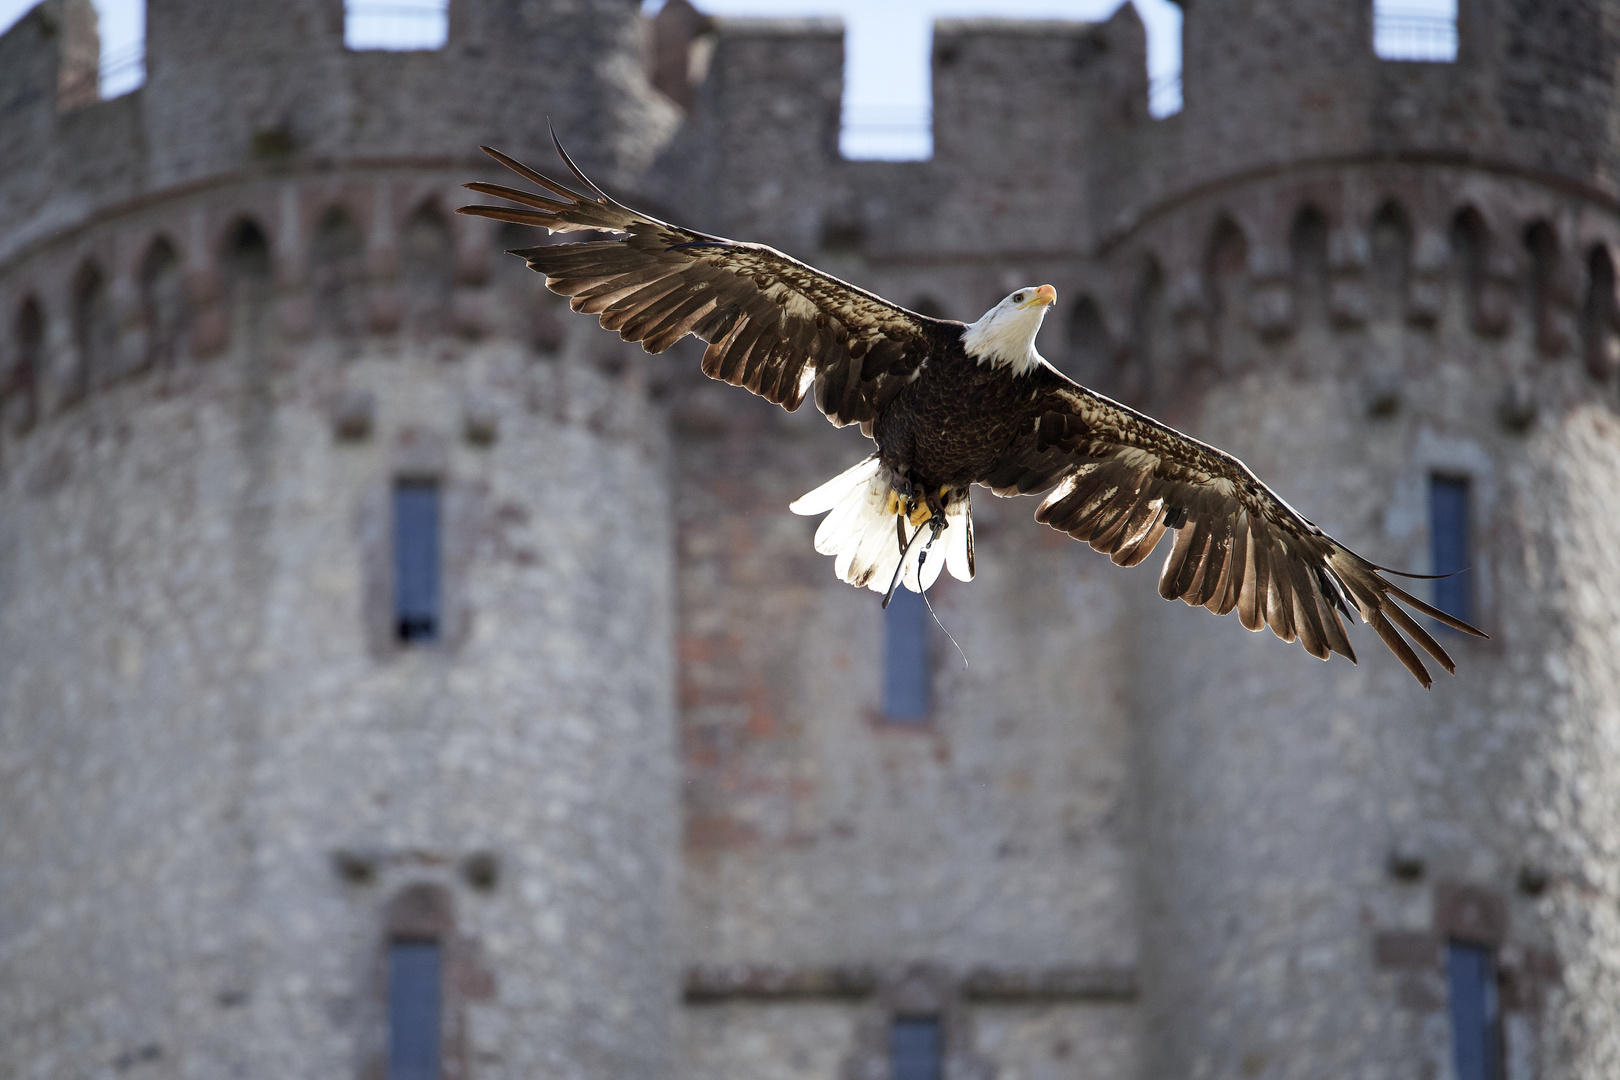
916 513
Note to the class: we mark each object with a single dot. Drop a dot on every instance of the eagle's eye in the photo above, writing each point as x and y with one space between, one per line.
1018 298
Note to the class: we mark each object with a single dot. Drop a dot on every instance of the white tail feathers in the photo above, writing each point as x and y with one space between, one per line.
958 538
860 532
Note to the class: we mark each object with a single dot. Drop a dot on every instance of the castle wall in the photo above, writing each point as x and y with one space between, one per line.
223 772
759 152
1020 108
1127 841
840 864
842 867
1293 291
235 90
1529 94
1313 837
821 833
227 785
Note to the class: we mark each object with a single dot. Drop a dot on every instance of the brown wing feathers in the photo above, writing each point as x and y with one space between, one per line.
767 317
1123 480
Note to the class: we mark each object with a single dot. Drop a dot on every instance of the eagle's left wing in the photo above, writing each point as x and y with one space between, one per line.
774 325
1121 479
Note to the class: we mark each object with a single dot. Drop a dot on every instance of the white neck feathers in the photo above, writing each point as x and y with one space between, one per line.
1008 340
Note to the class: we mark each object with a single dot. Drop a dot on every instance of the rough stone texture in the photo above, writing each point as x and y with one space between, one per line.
1050 1041
1276 269
649 758
989 834
221 776
1271 800
799 1041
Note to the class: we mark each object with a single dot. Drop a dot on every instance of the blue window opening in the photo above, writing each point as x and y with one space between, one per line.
1415 30
396 25
416 561
1450 546
414 991
1476 1035
906 680
122 68
886 132
1164 94
916 1048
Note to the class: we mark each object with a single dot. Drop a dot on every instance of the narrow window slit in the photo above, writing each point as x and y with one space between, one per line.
1476 1037
414 995
906 697
417 559
1450 546
916 1048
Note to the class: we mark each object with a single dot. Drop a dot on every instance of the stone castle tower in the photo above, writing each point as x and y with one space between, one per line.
637 786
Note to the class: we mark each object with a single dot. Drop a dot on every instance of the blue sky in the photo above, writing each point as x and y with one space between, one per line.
886 87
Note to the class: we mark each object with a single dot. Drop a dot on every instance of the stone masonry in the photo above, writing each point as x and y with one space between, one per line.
644 791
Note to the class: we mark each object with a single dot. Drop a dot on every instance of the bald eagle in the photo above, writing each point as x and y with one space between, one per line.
951 405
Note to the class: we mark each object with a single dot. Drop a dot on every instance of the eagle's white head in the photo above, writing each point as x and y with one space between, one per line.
1006 333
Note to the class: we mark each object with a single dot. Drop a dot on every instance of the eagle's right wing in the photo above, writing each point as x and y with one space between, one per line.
774 325
1122 479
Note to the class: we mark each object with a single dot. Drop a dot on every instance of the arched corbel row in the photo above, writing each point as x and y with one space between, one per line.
164 309
1600 315
1347 268
1552 293
1390 293
1226 264
337 274
427 270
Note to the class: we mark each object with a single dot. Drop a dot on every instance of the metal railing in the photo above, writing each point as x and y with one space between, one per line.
887 133
1400 34
1164 95
399 26
122 70
906 132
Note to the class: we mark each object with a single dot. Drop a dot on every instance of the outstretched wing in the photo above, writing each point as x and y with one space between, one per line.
1121 479
774 325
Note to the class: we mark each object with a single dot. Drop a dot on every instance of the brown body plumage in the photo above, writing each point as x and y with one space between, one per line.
950 426
952 404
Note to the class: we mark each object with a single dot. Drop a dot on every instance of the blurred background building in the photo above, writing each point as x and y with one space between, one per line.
400 677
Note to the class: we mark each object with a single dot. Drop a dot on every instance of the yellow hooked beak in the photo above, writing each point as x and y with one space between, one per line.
1044 296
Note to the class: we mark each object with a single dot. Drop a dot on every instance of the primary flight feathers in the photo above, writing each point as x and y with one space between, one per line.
770 319
951 405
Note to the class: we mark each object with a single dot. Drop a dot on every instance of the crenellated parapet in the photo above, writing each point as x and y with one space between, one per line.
1187 251
331 267
758 153
262 157
237 91
1234 277
1023 113
1270 88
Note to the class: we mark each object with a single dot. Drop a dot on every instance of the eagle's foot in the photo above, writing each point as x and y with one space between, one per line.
904 502
902 493
917 506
